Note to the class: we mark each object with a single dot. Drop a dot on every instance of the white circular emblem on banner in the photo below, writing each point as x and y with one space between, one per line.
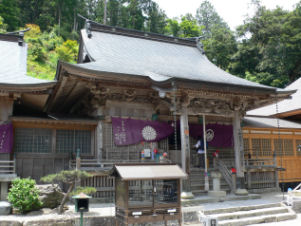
209 135
149 133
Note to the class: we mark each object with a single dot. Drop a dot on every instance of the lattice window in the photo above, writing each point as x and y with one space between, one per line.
33 140
266 147
288 147
68 141
284 146
298 146
246 146
256 146
278 146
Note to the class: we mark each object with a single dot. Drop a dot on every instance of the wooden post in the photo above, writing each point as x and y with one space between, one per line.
205 154
185 153
276 171
238 149
99 142
249 179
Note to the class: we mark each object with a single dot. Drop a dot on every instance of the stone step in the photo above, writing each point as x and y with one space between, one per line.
250 213
200 182
259 219
241 208
199 192
202 187
202 197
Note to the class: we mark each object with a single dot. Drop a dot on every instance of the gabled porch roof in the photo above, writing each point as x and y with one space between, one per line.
13 61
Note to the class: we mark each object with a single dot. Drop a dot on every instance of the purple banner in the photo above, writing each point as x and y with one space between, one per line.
132 131
220 136
6 138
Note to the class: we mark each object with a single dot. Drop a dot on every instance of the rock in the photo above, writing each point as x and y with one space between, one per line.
50 195
10 223
187 195
5 208
240 191
35 213
48 211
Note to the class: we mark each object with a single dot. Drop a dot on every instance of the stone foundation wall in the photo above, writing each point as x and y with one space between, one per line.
67 221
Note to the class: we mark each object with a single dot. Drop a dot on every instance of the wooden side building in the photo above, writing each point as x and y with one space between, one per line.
275 130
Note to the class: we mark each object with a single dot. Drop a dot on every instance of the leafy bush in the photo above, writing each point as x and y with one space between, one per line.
24 196
85 190
68 51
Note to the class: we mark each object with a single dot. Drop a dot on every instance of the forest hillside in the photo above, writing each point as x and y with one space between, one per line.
266 48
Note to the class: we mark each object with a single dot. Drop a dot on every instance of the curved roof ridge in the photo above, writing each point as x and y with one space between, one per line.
94 26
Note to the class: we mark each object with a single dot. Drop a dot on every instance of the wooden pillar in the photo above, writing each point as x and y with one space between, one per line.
205 154
99 141
98 144
185 153
238 148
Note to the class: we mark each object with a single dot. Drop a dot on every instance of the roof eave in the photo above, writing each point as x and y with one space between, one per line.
8 87
227 87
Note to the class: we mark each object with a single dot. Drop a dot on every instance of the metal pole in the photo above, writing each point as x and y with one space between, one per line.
205 154
81 218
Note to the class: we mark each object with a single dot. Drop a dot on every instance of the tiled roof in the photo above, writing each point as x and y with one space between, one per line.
268 122
158 57
13 64
284 106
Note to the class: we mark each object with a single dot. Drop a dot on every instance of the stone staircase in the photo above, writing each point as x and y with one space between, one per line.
248 215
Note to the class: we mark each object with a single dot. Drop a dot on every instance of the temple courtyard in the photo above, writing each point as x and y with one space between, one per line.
267 208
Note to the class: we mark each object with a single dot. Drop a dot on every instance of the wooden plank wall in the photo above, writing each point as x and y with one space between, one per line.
38 165
262 142
105 187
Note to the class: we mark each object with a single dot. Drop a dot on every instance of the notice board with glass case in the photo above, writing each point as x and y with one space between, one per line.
147 193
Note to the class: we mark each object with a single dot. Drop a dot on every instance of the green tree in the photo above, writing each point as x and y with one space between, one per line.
172 28
2 25
208 18
219 41
274 38
156 18
221 46
189 27
69 177
10 11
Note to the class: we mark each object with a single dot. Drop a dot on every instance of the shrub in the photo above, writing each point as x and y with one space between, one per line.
24 196
68 51
69 177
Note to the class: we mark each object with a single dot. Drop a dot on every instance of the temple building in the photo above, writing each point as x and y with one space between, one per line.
132 97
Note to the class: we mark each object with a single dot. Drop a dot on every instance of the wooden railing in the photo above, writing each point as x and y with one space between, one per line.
266 162
89 164
111 156
7 166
